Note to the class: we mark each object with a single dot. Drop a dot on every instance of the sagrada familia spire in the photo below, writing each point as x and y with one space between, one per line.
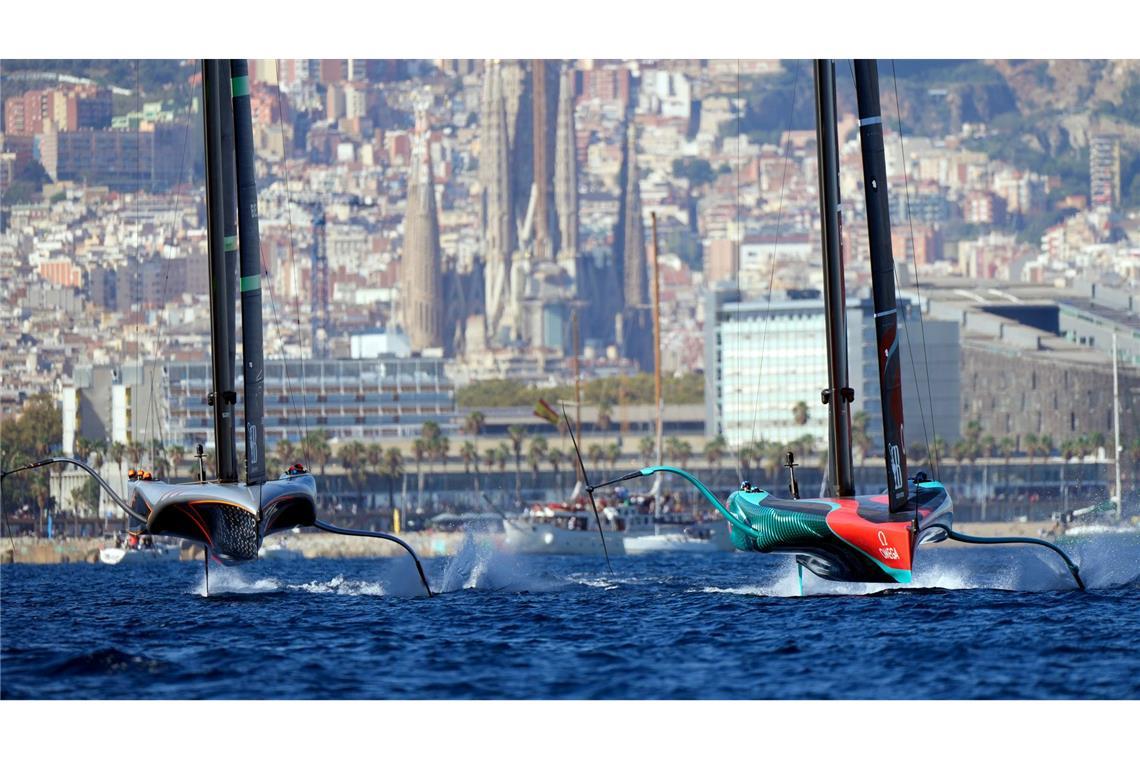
635 324
566 176
422 267
633 236
499 232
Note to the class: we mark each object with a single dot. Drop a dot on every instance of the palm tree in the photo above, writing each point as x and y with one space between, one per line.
354 457
596 454
430 430
374 456
605 416
503 455
420 449
714 451
285 451
647 446
490 457
859 435
470 455
684 452
82 448
533 460
612 454
1030 445
441 448
177 457
538 448
134 453
800 413
117 453
473 424
316 444
517 435
554 457
392 466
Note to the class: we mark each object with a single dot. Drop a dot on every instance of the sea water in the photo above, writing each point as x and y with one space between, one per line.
978 622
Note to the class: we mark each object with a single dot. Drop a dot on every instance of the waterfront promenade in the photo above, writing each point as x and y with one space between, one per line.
43 551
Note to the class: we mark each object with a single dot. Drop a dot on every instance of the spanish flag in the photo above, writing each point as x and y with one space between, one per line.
546 412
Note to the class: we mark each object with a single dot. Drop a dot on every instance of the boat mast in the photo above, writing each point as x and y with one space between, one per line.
882 278
223 397
658 403
252 354
1116 428
838 395
229 223
577 394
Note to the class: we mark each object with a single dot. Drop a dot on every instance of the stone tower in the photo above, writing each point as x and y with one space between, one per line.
422 267
566 175
633 236
498 219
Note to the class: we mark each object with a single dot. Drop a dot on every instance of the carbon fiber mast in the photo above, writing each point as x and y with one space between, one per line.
223 397
252 352
882 278
229 222
838 395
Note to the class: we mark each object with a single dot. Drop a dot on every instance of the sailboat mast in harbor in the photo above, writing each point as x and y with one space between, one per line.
1118 497
658 404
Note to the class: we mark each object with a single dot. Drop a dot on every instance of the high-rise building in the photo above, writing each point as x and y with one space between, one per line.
763 358
422 266
497 212
1104 170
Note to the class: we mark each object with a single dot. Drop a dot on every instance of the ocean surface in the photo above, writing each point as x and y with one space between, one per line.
979 623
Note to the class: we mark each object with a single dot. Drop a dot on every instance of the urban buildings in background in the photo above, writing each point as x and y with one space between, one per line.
467 215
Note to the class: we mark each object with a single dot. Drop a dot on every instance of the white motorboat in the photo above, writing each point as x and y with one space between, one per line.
142 551
562 529
279 550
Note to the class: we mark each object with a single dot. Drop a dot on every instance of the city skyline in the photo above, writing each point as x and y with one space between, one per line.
401 209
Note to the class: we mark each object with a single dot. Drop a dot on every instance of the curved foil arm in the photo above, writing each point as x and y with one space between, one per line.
954 535
370 534
735 521
709 496
90 471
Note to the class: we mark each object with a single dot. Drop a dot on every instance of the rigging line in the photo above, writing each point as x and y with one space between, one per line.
737 239
165 277
293 266
772 257
280 333
137 268
917 284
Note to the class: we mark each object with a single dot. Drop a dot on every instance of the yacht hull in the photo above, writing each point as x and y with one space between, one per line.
844 539
229 519
531 538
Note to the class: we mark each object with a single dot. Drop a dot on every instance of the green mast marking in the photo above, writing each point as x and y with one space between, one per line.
239 86
250 283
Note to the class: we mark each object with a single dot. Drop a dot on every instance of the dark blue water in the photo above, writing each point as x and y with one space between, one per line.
986 623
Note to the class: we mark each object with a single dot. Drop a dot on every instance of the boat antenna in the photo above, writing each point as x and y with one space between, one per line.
589 488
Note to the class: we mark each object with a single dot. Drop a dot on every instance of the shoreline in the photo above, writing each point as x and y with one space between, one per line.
427 544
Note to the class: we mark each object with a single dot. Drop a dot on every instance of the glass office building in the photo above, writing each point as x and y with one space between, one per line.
763 358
